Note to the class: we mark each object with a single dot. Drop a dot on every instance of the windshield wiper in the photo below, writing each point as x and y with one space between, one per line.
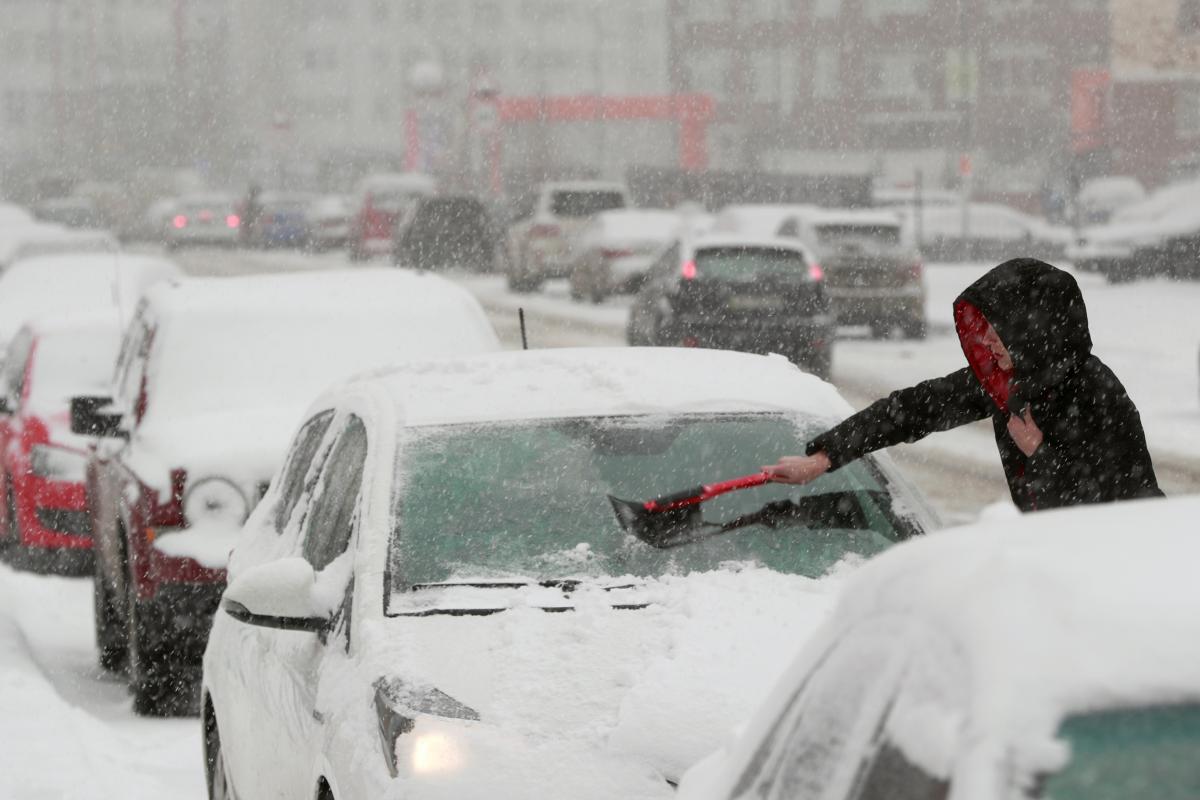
567 585
833 510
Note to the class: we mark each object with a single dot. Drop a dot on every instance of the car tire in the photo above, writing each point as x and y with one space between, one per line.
220 787
156 692
111 646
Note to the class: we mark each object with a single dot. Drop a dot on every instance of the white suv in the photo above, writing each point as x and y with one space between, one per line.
539 245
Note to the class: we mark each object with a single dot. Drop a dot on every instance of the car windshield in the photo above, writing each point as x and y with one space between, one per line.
530 501
584 203
749 264
1130 753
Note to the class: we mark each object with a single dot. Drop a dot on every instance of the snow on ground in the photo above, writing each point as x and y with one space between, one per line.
66 728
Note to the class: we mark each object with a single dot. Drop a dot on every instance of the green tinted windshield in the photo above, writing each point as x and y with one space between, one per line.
530 499
1131 753
749 264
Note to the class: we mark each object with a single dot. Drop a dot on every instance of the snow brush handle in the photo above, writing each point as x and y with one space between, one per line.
690 497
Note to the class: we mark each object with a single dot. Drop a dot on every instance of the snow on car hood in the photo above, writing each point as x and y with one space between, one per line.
659 686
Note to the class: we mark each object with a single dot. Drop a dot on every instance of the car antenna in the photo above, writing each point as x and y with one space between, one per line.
521 318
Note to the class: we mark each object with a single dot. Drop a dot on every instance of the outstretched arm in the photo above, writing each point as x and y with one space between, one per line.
906 415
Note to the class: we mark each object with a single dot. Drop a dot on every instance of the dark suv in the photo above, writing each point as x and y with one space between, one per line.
449 231
736 293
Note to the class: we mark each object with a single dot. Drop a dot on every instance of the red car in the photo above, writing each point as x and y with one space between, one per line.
382 201
45 514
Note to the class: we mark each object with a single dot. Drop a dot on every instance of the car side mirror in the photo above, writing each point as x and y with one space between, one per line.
87 418
280 594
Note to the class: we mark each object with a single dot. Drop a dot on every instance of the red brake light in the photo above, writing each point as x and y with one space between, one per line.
689 270
815 272
690 341
180 221
232 220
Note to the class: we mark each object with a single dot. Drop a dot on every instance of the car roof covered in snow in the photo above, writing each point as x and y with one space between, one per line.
759 219
563 382
76 281
27 241
847 216
1056 613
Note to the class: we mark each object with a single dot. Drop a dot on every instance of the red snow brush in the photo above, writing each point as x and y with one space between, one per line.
665 518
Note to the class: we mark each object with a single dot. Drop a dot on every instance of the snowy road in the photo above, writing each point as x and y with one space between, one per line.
66 728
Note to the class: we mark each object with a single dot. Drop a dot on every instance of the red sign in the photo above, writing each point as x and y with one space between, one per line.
1089 96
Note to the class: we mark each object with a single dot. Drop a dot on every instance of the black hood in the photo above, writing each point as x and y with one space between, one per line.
1038 312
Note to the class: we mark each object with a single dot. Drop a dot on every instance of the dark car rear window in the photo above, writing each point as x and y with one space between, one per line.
749 264
464 210
883 235
584 203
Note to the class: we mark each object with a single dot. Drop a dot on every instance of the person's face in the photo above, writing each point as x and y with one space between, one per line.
992 342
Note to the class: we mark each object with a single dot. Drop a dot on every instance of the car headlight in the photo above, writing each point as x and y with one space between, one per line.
398 704
58 464
215 500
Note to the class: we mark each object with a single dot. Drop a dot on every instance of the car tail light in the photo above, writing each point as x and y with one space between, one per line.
688 271
914 271
690 341
232 220
815 272
180 221
543 231
614 253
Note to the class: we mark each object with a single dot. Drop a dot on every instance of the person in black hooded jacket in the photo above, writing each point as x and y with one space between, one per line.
1067 431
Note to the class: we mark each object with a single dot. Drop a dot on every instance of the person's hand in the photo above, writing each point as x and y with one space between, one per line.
1025 432
798 469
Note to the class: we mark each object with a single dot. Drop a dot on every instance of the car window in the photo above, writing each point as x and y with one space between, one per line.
1130 752
891 776
519 498
295 474
584 203
330 519
814 746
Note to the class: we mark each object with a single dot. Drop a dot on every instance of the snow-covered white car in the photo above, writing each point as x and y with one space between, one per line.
613 252
214 374
435 599
77 282
993 232
539 244
45 238
1160 235
1051 656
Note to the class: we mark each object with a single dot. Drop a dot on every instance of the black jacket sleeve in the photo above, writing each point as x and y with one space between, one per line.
905 416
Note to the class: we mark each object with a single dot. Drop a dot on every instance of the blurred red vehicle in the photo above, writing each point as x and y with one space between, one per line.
381 202
44 517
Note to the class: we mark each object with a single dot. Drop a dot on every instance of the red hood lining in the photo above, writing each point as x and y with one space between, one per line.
971 324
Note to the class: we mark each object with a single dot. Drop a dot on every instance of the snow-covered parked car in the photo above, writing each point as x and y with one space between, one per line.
44 520
1159 236
44 239
613 252
213 375
77 282
435 599
1049 656
993 232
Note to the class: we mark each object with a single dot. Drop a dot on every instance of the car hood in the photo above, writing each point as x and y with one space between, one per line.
657 686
